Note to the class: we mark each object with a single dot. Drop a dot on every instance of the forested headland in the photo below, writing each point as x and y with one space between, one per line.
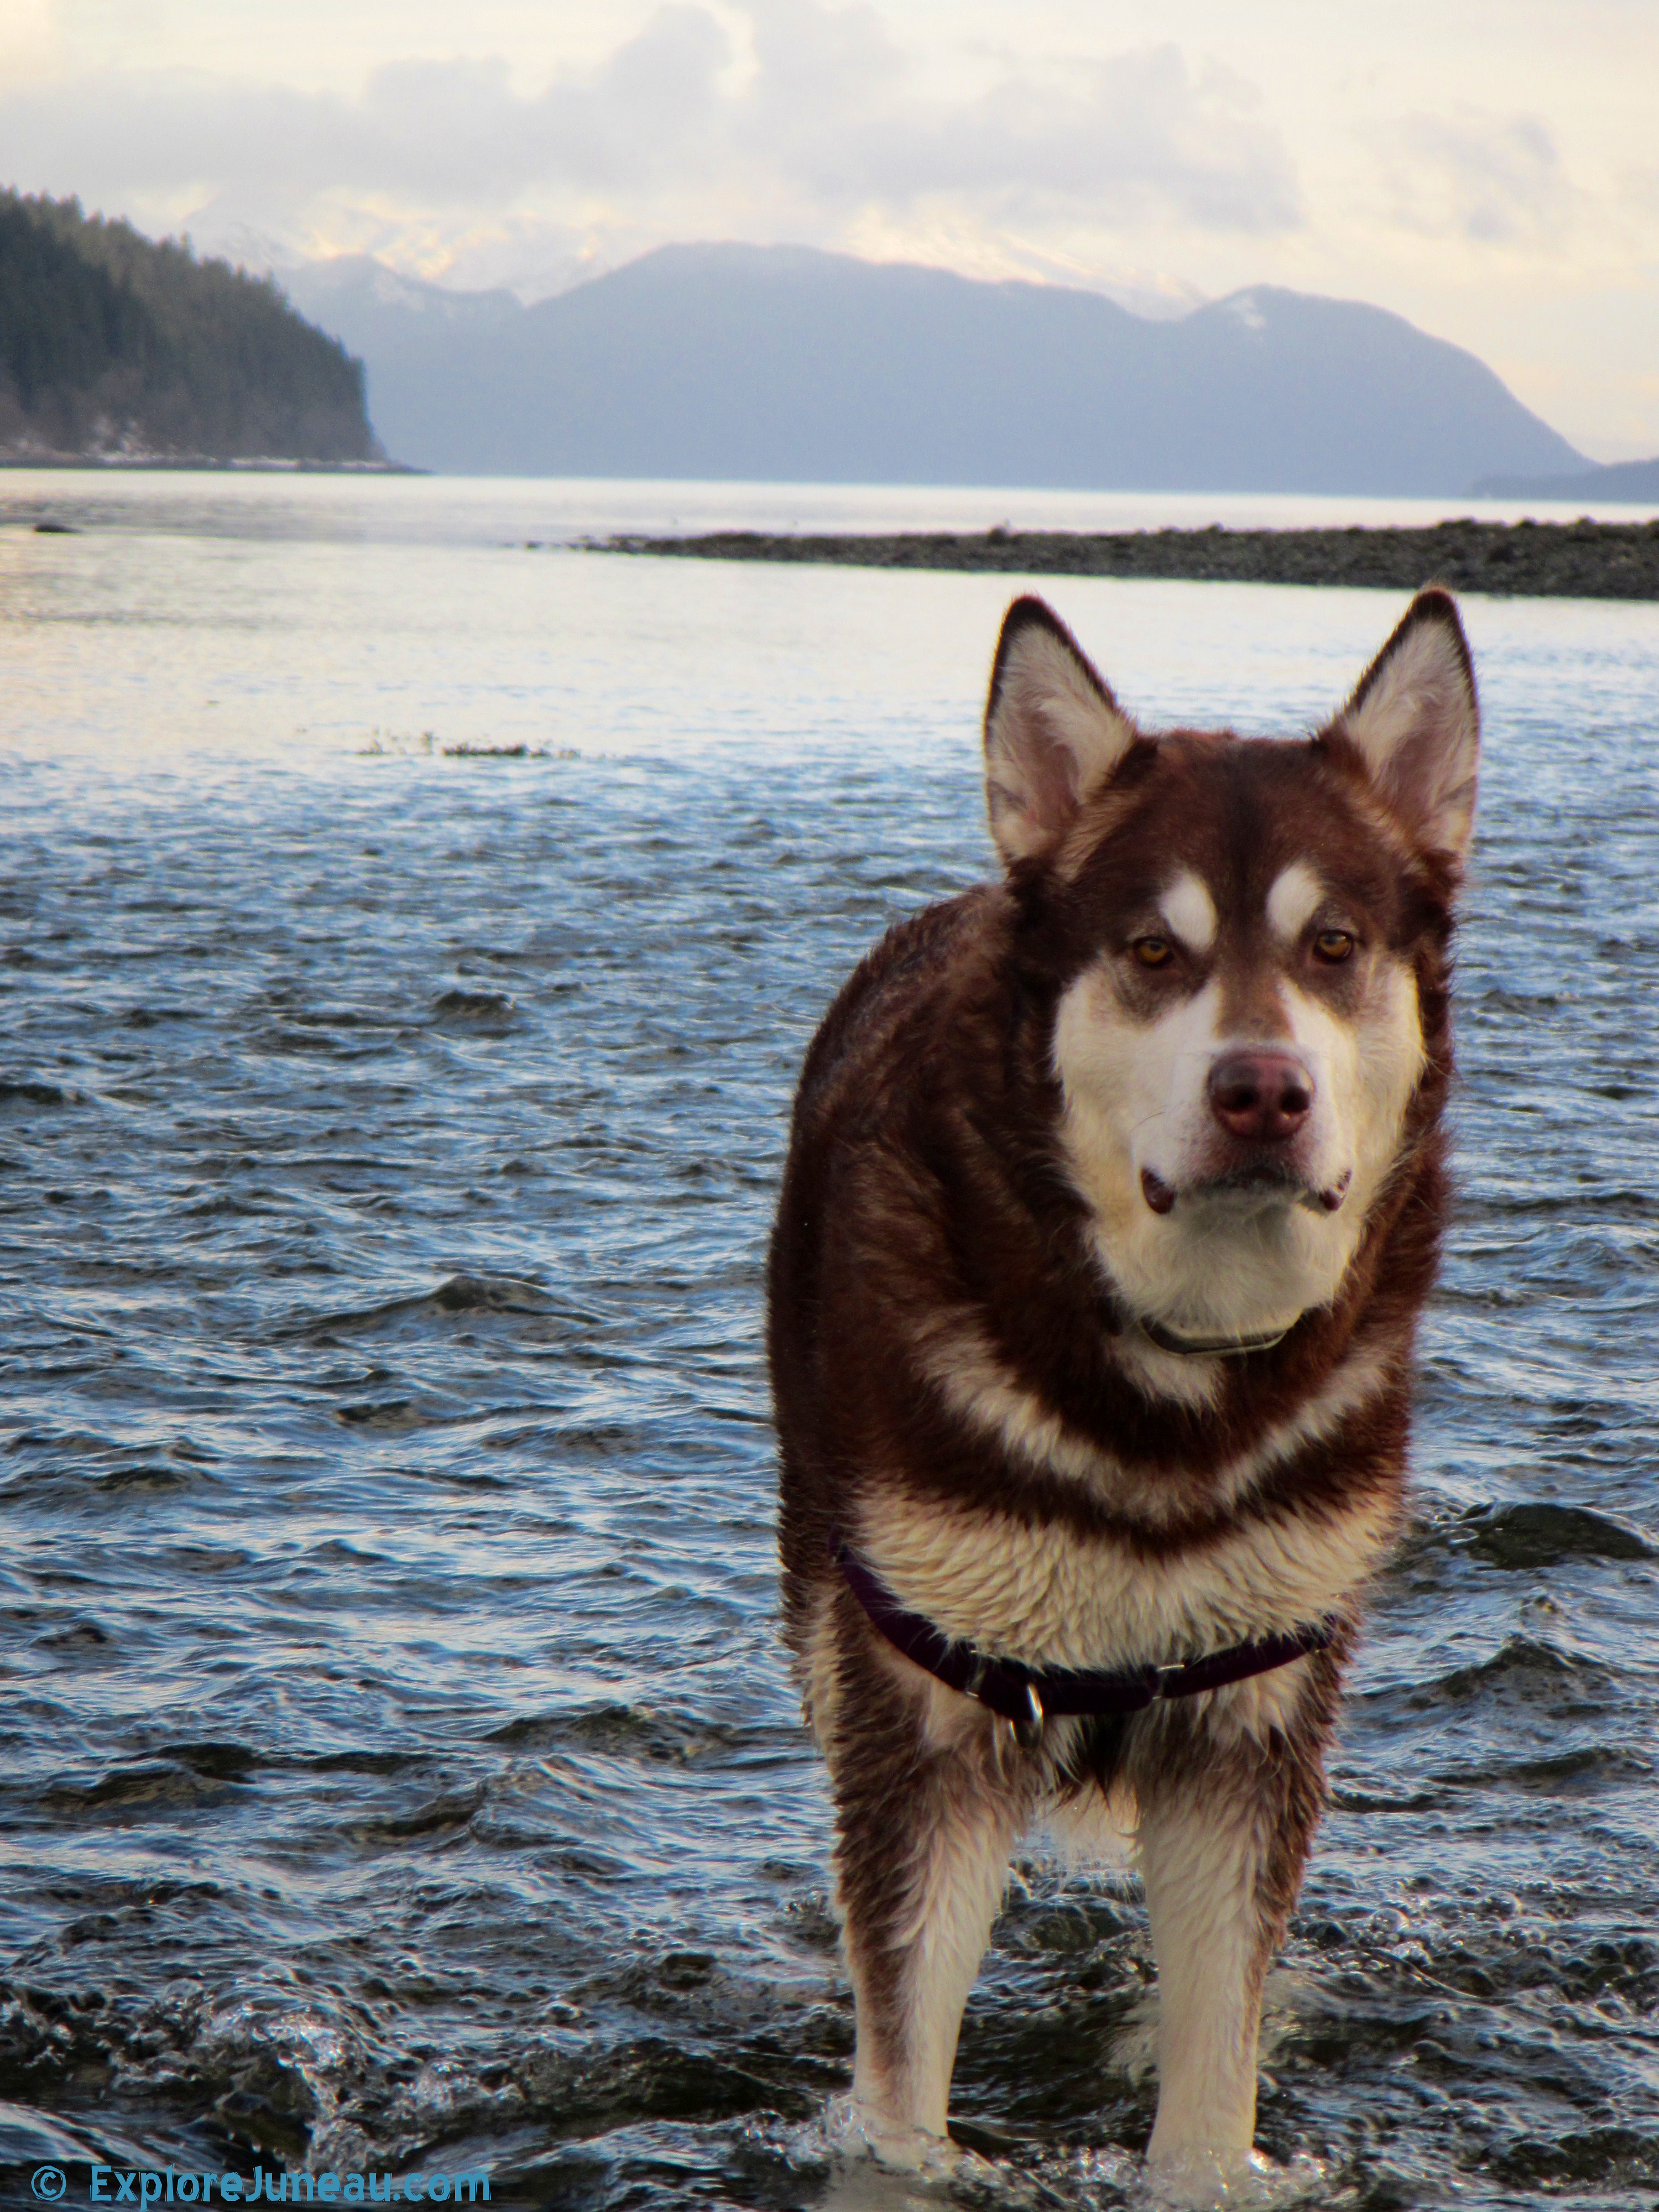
113 348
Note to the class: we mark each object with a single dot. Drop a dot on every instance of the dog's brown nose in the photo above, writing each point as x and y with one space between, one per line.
1262 1097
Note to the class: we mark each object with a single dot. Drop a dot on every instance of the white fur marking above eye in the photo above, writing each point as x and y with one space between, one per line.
1190 911
1291 903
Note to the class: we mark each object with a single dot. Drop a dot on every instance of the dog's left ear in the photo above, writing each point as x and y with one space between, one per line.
1415 721
1054 733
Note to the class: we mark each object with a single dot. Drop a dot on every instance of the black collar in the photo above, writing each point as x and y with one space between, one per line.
1026 1696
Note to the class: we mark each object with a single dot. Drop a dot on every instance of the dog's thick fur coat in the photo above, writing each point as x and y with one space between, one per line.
1175 1082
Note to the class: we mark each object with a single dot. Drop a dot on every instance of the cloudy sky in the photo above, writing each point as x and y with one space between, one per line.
1488 167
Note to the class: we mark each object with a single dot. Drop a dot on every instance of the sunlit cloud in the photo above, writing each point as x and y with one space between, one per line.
827 122
1497 181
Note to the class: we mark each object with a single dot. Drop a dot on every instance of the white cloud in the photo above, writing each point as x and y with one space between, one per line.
826 121
1495 180
1135 138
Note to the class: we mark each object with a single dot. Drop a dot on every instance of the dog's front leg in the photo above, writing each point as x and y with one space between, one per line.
930 1795
1224 1835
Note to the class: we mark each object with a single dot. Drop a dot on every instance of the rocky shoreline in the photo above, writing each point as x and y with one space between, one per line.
1513 560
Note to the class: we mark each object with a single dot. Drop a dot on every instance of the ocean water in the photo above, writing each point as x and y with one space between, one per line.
408 941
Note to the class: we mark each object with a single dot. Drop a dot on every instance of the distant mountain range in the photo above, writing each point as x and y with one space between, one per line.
1634 482
112 347
780 363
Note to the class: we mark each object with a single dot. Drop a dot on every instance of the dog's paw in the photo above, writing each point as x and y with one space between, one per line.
856 2129
1231 2181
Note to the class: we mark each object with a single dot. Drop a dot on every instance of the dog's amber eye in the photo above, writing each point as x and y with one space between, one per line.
1153 951
1335 945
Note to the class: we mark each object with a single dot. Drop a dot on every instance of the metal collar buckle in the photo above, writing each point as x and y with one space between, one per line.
1028 1728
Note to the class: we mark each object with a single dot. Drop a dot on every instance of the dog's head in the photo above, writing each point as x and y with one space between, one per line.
1247 940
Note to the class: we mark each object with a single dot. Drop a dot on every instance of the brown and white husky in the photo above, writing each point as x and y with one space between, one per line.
1115 1193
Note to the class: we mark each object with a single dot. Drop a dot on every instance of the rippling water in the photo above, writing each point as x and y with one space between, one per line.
399 1770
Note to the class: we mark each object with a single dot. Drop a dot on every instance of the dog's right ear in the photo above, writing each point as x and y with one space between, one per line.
1054 733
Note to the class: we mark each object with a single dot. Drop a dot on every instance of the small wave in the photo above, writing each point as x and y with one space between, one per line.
1534 1535
25 1091
390 1415
228 1762
1523 1667
1567 1773
158 1788
1600 2158
78 1636
645 2078
489 1294
621 1731
148 1476
456 1294
31 2138
1497 999
437 1817
491 1011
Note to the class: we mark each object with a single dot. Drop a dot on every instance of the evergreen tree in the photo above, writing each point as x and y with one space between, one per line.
110 343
